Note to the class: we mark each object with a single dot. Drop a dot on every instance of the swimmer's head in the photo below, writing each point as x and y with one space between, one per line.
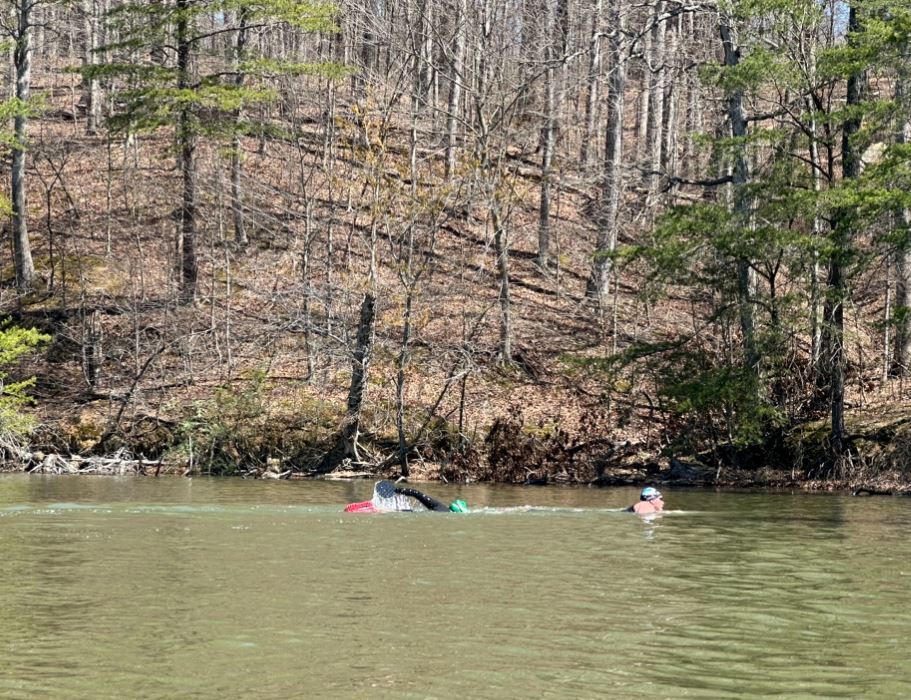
458 506
650 493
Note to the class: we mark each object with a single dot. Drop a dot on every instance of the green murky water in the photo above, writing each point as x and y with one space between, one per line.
178 588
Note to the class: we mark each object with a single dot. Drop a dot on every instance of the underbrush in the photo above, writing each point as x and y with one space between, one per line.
878 448
515 452
252 427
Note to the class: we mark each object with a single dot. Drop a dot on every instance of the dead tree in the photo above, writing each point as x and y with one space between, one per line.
346 445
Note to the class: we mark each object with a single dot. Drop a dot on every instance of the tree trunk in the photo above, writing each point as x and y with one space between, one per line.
842 240
602 264
400 381
901 354
186 137
643 152
237 195
369 58
423 46
93 98
741 202
673 81
346 446
656 106
532 12
594 83
695 105
22 60
455 89
501 248
548 136
816 303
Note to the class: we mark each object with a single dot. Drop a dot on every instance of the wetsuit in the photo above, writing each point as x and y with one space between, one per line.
426 501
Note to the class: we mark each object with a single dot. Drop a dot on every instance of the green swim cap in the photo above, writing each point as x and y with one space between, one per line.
458 506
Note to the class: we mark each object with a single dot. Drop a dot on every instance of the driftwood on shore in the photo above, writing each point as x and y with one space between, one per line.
39 463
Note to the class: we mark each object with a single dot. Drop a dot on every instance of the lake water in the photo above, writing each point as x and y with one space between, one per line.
221 589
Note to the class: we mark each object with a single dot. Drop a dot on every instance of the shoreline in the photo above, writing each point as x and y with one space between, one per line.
728 480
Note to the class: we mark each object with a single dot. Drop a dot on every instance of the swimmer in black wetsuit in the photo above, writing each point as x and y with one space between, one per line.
385 489
429 502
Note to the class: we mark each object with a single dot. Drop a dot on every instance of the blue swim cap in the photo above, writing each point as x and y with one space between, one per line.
649 493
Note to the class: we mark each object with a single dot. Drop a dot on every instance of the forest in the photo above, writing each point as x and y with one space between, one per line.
532 241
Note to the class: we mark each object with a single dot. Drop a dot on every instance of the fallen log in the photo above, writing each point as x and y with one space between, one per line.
40 463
